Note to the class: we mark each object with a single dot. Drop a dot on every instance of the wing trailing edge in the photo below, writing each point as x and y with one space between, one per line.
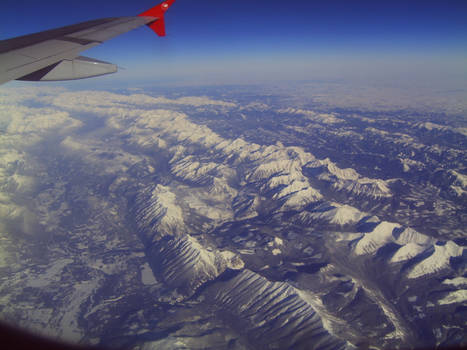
79 68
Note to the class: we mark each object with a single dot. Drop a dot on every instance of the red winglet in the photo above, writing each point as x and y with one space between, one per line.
158 26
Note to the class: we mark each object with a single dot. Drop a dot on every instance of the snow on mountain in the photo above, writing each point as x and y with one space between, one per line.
407 252
372 241
183 261
148 141
409 235
10 162
271 167
290 186
147 276
279 180
437 261
341 174
295 187
274 314
51 274
458 296
409 164
325 118
189 169
412 242
459 185
7 256
365 187
430 126
330 170
280 169
159 127
138 135
239 148
160 210
213 196
458 190
344 214
245 205
213 175
265 163
300 198
158 213
278 160
457 281
174 127
333 213
220 190
185 264
437 127
213 202
275 166
196 101
349 180
462 131
255 106
83 99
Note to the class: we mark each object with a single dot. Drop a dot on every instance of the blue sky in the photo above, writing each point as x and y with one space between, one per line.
219 41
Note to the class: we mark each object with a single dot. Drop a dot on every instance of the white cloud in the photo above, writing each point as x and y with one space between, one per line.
86 99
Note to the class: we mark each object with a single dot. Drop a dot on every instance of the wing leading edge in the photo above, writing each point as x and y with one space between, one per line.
54 54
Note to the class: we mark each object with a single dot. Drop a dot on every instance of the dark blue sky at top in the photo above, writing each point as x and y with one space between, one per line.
223 39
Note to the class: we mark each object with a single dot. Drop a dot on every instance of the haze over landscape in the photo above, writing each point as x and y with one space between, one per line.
270 175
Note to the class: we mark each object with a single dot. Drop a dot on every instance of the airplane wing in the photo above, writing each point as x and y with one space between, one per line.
54 54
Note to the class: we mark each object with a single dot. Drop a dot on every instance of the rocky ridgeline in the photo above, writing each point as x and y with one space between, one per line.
275 314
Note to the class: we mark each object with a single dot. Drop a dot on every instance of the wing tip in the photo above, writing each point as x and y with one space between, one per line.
158 11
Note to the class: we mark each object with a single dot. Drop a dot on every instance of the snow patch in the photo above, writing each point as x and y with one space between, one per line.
407 252
437 261
334 213
349 180
457 281
52 274
147 276
276 251
158 211
381 235
458 296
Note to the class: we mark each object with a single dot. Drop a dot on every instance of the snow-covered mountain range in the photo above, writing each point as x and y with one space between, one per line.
137 221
